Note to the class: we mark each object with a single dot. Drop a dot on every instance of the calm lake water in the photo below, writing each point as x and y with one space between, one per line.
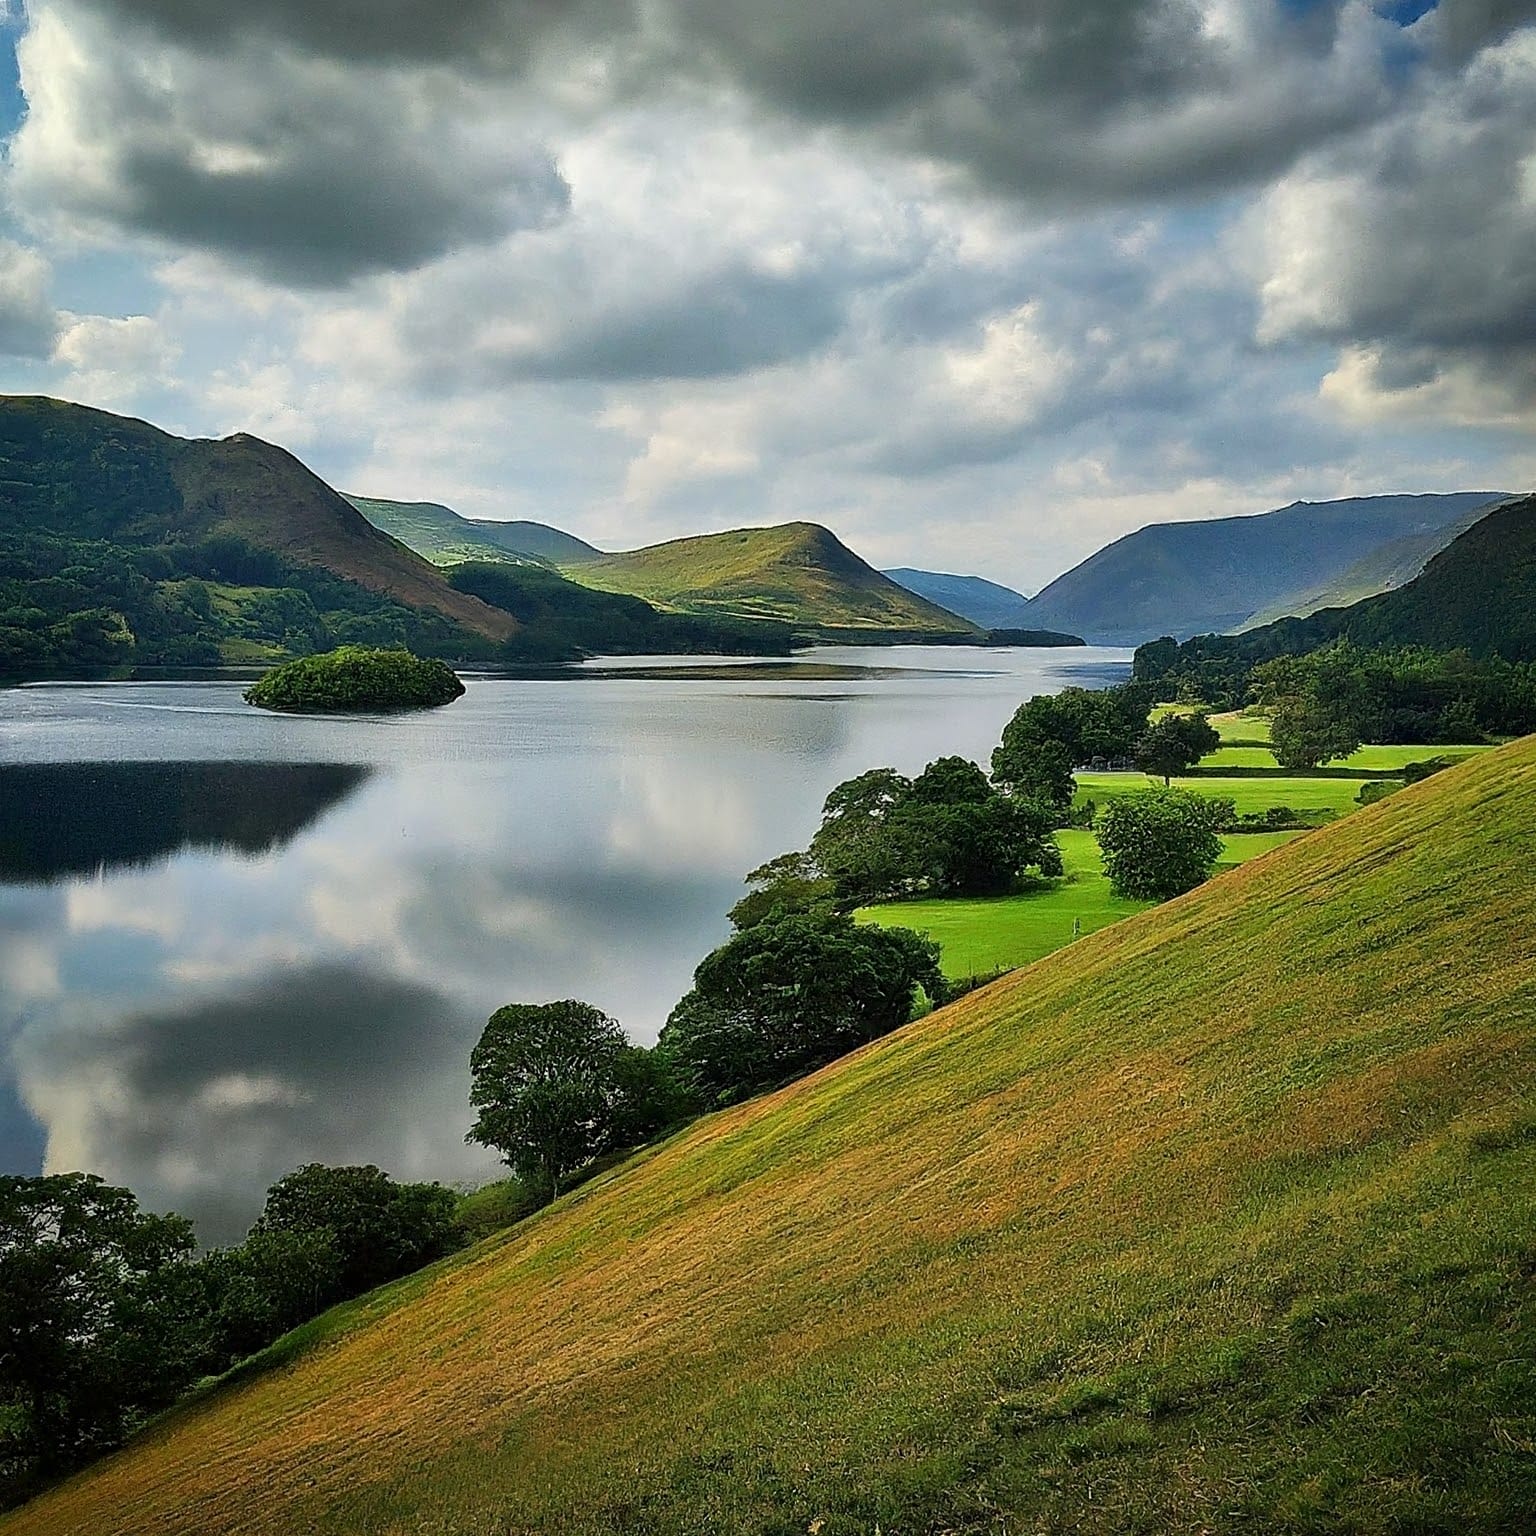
232 942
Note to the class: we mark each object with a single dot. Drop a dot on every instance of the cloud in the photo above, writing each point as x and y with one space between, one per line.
111 361
1413 249
302 170
200 1107
29 323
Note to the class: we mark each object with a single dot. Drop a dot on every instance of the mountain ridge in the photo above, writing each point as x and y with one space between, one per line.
444 536
1210 575
986 603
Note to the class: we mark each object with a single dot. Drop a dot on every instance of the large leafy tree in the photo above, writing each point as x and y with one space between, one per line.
102 1320
548 1085
791 994
1162 842
1051 734
1175 743
376 1229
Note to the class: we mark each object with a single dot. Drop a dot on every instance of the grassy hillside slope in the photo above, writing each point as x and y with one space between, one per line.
78 473
797 572
262 493
1223 1218
442 536
1206 577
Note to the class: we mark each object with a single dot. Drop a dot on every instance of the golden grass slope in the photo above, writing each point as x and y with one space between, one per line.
797 572
1223 1218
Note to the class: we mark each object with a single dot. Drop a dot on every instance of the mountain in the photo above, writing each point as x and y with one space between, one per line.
104 519
1208 577
445 538
1384 569
1219 1219
1478 594
981 601
798 573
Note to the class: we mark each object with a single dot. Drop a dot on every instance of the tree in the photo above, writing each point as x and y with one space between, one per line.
790 995
1306 731
1174 743
1051 734
850 848
975 848
377 1230
546 1083
789 883
1161 842
101 1320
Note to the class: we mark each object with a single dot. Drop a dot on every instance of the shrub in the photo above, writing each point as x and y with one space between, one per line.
1161 842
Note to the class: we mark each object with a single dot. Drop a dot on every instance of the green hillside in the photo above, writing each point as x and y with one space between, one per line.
440 535
122 543
797 572
1210 576
1223 1218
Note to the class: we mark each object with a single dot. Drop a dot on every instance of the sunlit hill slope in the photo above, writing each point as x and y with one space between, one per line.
797 572
1221 1219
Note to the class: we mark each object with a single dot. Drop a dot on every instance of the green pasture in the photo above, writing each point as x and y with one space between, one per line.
1328 796
997 933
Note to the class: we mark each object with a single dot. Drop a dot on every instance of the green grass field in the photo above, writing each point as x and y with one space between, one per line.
1222 1219
1333 797
978 937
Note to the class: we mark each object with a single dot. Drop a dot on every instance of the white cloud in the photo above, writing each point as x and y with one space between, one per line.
111 361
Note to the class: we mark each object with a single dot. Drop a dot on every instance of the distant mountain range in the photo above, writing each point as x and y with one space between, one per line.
1210 577
975 598
445 538
121 545
1477 594
798 573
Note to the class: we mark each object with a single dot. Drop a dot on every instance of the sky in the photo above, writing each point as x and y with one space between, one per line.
981 286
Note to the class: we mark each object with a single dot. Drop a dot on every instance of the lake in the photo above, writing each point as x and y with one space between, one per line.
234 942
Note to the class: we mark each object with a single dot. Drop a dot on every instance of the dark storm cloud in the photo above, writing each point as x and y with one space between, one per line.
1419 241
1055 99
1461 27
487 33
305 170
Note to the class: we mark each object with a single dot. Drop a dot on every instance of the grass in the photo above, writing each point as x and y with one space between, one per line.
1322 797
1221 1219
797 572
981 936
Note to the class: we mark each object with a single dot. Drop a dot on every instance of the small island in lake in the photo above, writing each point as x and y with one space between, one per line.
355 679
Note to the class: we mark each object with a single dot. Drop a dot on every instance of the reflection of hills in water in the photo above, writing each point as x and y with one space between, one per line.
61 819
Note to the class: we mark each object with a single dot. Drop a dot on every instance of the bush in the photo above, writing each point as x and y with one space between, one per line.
1161 842
356 679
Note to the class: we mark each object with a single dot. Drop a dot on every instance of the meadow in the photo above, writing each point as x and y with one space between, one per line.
1220 1219
984 935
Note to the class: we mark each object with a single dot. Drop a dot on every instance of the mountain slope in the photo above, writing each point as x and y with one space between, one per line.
1207 577
797 572
1219 1219
1478 594
1384 569
73 472
439 534
983 602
